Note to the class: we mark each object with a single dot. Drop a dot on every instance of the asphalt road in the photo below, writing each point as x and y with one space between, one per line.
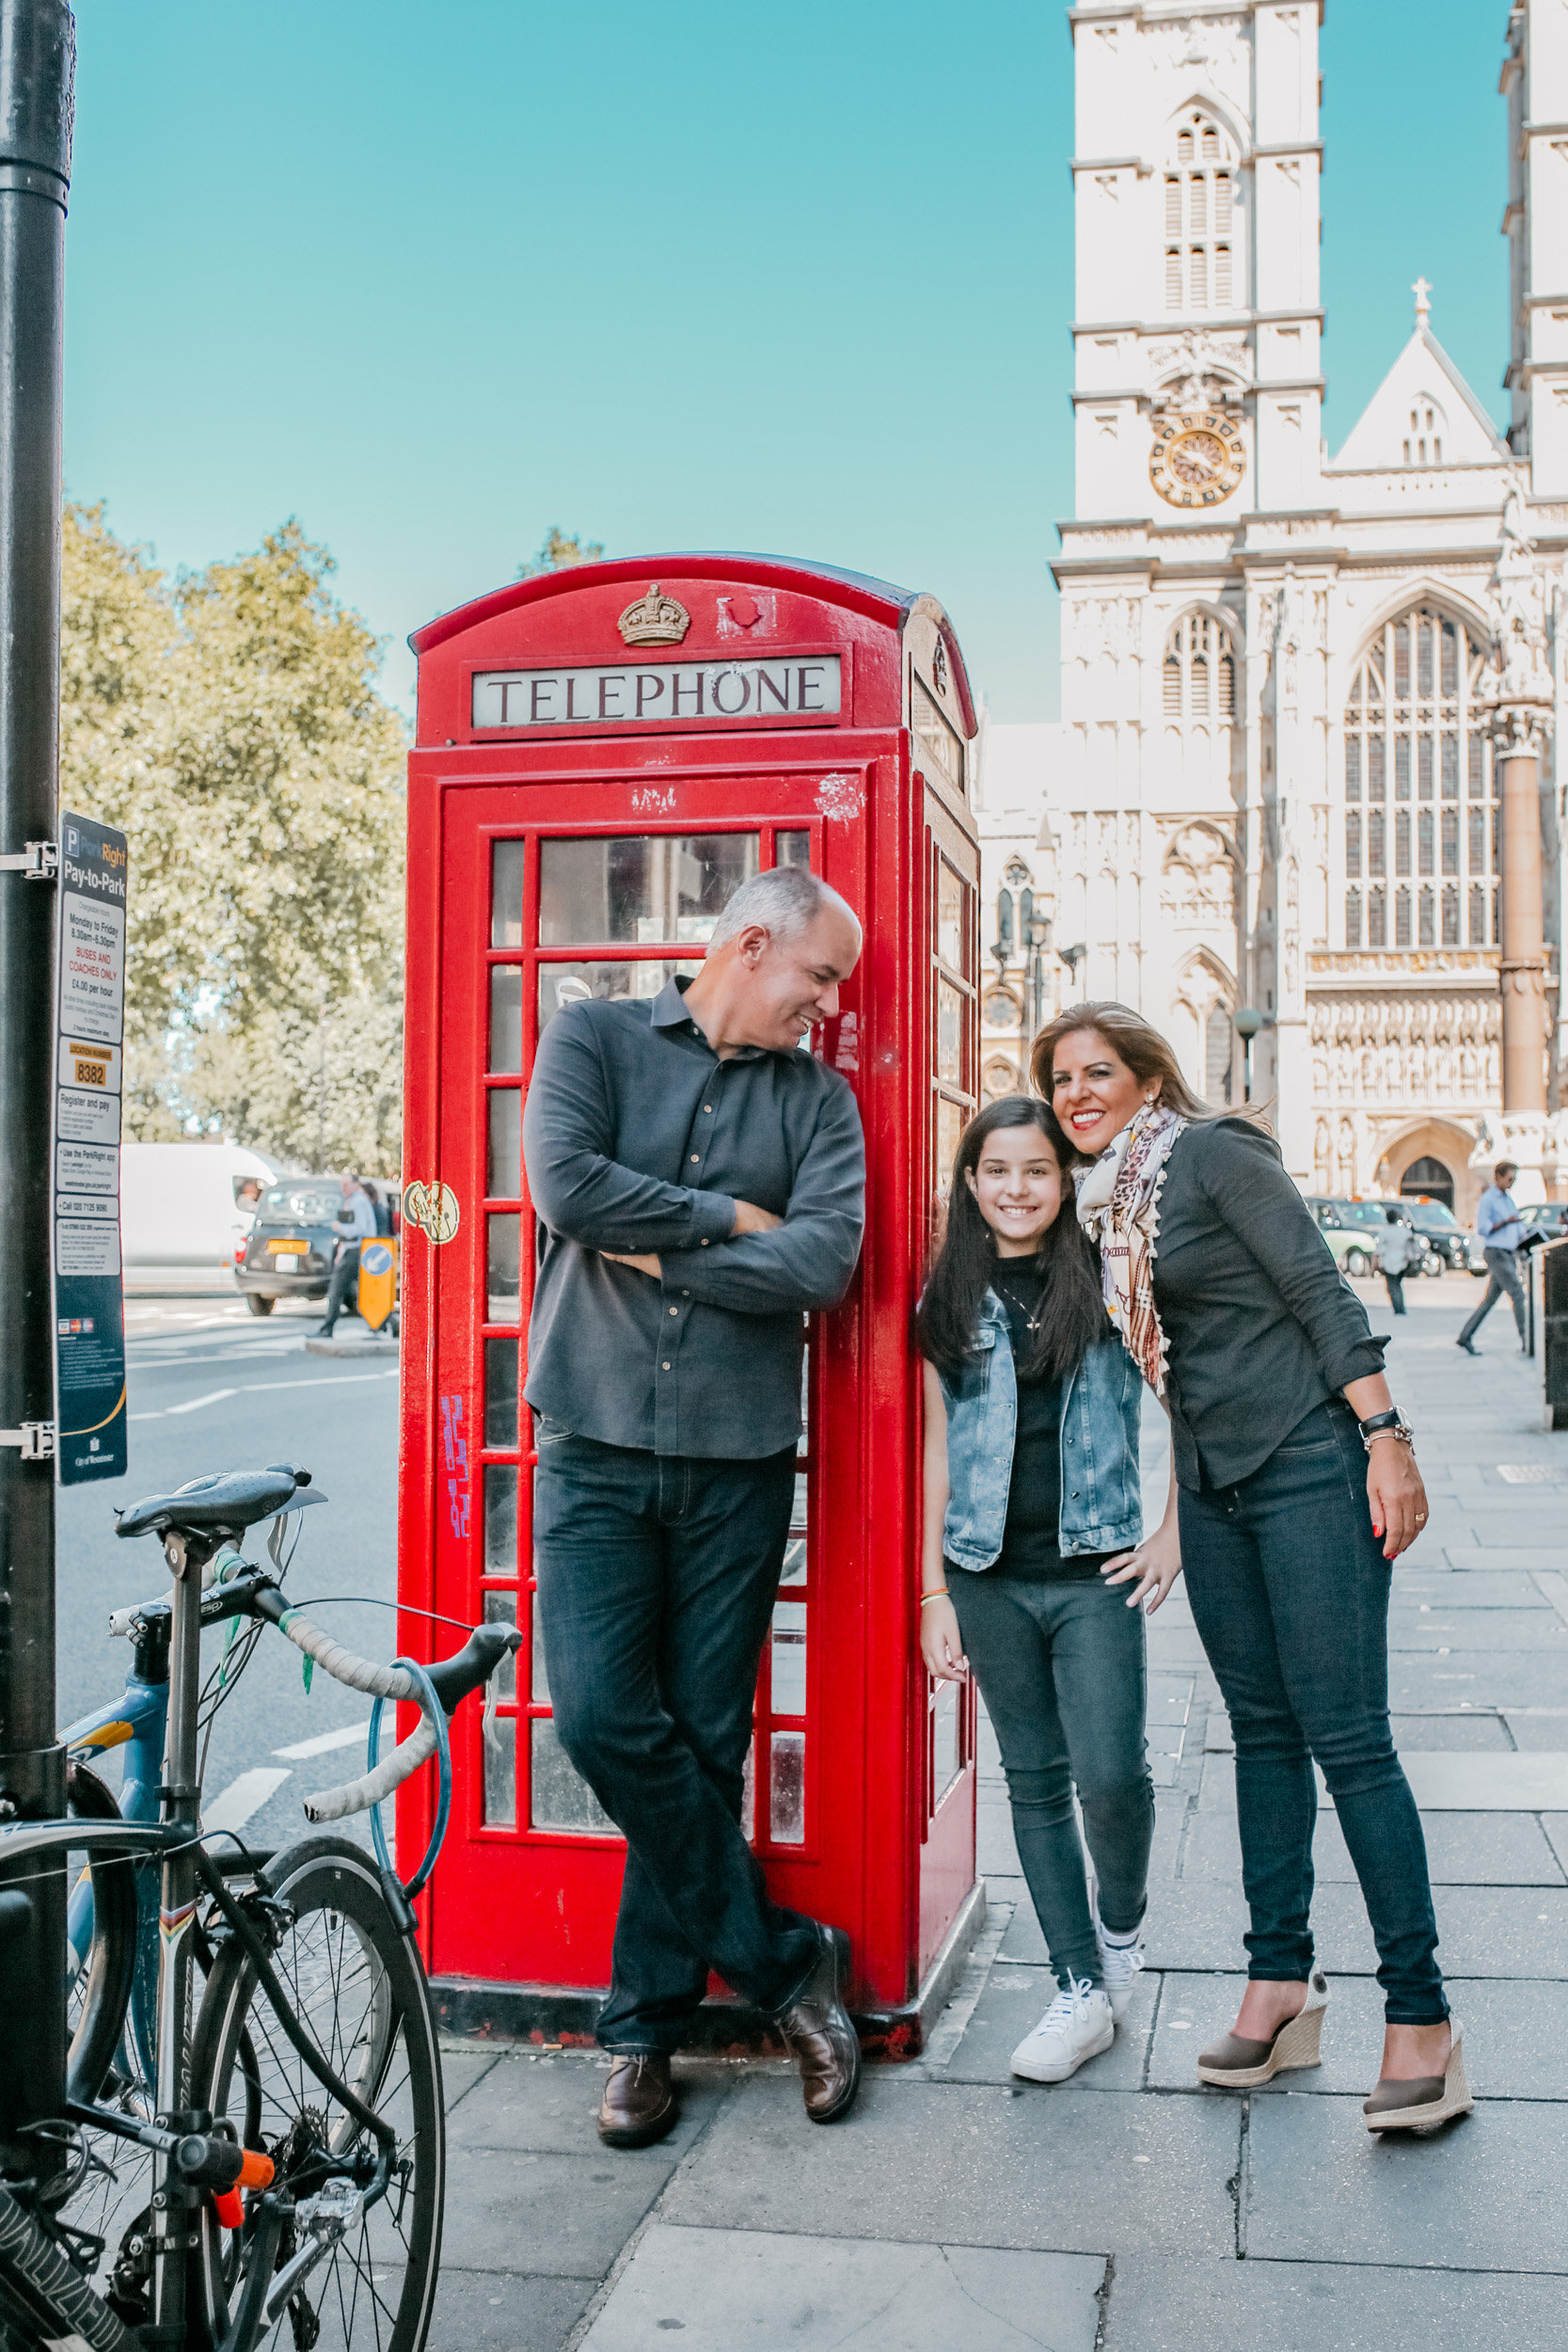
213 1388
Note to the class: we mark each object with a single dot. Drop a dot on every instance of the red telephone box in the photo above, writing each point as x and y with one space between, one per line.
603 754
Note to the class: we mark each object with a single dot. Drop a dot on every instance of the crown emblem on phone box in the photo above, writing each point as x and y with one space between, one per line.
655 619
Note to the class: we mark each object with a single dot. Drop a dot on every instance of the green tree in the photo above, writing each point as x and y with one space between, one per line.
559 553
230 720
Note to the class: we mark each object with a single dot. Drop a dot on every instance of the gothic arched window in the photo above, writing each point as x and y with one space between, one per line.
1200 193
1199 680
1414 739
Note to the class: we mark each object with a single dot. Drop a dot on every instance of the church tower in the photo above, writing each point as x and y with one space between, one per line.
1276 783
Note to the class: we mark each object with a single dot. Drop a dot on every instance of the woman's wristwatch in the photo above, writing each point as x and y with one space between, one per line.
1389 1424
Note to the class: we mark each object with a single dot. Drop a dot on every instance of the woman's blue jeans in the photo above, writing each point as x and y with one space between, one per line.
1290 1592
1061 1668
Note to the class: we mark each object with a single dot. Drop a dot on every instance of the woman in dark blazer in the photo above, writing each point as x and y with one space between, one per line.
1298 1489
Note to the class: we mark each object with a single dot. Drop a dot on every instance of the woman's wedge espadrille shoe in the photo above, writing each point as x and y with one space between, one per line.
1236 2063
1419 2104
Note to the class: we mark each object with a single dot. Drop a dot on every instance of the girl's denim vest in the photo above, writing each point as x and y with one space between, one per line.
1100 1506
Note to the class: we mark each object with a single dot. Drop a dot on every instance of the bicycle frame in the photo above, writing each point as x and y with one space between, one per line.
137 1722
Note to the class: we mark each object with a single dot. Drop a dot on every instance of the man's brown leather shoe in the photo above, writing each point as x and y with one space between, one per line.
638 2105
820 2036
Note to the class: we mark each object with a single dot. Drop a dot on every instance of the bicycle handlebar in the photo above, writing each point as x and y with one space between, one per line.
357 1796
451 1680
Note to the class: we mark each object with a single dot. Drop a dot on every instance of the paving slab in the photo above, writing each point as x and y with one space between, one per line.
1488 2192
1422 1679
1556 1827
1479 1588
732 2288
1537 1730
547 2105
1481 1629
1506 1556
954 2164
1515 2037
545 2215
1457 1731
1183 2306
1014 2000
1463 1850
1488 1783
495 2307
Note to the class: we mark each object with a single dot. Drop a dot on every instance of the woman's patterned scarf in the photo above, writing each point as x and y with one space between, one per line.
1118 1207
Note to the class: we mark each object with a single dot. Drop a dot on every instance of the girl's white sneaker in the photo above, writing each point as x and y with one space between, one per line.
1076 2026
1121 1966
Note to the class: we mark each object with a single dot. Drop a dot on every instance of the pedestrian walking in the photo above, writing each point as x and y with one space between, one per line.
1501 1234
1032 1520
354 1224
1398 1250
1298 1489
379 1209
701 1186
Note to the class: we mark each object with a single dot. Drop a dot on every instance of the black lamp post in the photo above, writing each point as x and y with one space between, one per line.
37 68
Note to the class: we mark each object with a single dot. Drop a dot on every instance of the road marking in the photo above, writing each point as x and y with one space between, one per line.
213 1396
233 1808
258 1387
350 1735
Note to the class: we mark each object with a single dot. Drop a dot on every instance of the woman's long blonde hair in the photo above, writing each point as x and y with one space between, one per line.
1146 1053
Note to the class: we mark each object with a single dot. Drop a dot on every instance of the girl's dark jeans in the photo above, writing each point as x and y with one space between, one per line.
1289 1591
1061 1670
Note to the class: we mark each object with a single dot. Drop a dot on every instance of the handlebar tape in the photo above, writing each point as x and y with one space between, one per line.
354 1796
359 1674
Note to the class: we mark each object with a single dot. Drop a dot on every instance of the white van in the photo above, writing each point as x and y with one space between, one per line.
180 1205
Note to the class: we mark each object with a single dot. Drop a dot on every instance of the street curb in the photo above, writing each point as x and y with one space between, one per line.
386 1350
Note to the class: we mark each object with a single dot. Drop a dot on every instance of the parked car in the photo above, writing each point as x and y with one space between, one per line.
1350 1229
288 1250
1549 1218
1448 1243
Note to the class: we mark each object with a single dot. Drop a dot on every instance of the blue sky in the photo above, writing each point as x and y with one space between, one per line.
796 281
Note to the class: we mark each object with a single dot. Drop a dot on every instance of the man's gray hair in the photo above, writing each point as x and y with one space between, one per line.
786 901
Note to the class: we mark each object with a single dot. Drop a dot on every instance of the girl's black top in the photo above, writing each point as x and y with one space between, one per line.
1030 1548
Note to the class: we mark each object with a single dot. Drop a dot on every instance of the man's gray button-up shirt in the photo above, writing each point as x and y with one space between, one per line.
639 1139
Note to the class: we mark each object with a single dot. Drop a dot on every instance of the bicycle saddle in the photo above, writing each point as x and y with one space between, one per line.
225 1502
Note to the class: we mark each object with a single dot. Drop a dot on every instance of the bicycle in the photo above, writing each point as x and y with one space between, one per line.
275 2151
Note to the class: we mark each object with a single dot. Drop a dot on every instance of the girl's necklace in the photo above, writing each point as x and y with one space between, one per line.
1031 1322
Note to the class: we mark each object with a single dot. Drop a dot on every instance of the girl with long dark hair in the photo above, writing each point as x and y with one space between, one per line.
1298 1489
1032 1518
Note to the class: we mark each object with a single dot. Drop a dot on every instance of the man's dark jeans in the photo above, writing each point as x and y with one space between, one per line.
344 1275
657 1576
1289 1591
1502 1267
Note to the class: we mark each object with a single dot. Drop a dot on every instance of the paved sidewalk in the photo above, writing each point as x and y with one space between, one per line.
1129 2210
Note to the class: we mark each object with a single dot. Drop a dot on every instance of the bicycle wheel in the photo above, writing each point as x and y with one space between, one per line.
102 2203
359 1989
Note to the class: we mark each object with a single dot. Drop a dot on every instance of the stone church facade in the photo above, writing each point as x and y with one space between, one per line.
1289 679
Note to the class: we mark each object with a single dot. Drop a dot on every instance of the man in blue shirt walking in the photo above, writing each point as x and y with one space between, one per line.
1497 1223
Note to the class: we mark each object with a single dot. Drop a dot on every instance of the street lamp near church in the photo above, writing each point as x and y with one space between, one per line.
1249 1021
1023 933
